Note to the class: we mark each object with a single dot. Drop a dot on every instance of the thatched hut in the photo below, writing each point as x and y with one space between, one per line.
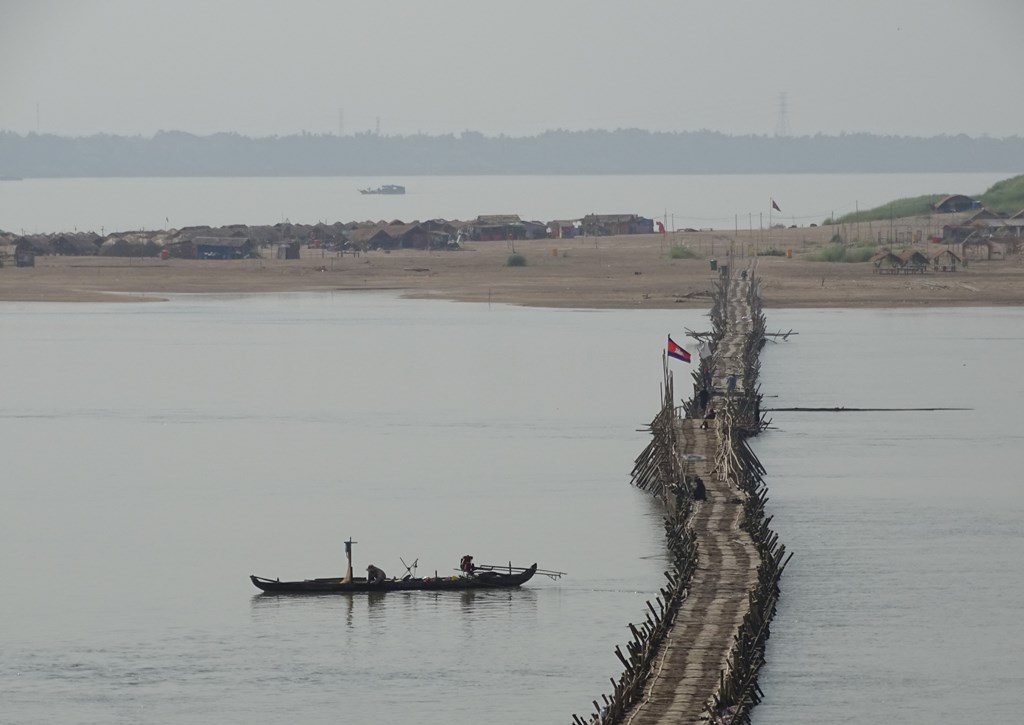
224 247
886 262
945 261
288 250
955 203
600 225
76 245
914 262
24 258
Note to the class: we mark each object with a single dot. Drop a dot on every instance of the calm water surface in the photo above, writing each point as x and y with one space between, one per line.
156 454
905 599
702 201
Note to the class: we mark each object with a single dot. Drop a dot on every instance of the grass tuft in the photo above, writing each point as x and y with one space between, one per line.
843 253
679 251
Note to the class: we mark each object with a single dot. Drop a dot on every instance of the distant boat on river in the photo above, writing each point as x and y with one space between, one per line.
385 189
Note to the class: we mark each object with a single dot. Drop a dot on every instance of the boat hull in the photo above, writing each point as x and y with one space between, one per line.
386 189
334 585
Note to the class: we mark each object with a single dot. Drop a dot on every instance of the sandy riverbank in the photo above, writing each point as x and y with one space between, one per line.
605 272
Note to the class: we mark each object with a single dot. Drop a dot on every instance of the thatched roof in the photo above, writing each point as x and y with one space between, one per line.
232 242
612 218
981 215
77 245
498 220
885 256
381 232
912 256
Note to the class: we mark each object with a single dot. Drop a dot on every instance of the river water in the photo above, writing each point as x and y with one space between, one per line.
156 454
740 201
904 600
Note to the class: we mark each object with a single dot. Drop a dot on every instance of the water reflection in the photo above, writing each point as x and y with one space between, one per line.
468 599
569 484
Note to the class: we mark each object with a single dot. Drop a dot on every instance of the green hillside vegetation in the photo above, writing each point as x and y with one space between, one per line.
911 206
1006 196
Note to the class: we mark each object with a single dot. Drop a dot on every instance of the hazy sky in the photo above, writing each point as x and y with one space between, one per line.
906 67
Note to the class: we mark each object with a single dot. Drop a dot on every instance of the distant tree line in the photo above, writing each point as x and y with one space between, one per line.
628 151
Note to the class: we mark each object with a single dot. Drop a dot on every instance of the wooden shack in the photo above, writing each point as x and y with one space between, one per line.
914 262
288 250
955 203
76 245
24 258
563 228
223 247
603 225
945 261
886 262
496 227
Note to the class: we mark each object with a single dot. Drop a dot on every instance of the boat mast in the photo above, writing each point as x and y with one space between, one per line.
348 557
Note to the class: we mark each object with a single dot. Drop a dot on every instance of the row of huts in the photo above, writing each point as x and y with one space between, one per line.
986 234
913 261
243 241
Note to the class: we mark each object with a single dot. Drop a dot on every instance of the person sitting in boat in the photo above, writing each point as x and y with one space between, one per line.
467 566
375 575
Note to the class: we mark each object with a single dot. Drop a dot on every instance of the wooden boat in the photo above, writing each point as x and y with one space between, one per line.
481 579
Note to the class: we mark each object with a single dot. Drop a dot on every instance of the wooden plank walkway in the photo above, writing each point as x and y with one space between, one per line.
687 669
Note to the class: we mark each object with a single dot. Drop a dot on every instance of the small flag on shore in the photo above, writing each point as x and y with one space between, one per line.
677 352
775 206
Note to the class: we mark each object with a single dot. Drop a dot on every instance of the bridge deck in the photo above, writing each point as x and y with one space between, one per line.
686 672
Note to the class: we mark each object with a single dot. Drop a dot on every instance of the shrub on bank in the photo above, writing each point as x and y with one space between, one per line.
843 253
515 260
679 251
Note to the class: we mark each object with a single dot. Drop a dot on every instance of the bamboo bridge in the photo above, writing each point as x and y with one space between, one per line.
696 657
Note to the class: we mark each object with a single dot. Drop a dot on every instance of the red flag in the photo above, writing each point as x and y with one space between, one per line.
676 351
775 206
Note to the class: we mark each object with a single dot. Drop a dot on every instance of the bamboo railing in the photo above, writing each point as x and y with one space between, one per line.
660 470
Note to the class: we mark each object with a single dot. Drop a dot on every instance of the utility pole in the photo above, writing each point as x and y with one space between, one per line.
782 123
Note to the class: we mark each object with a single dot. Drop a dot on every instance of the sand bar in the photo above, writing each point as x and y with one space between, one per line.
588 272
